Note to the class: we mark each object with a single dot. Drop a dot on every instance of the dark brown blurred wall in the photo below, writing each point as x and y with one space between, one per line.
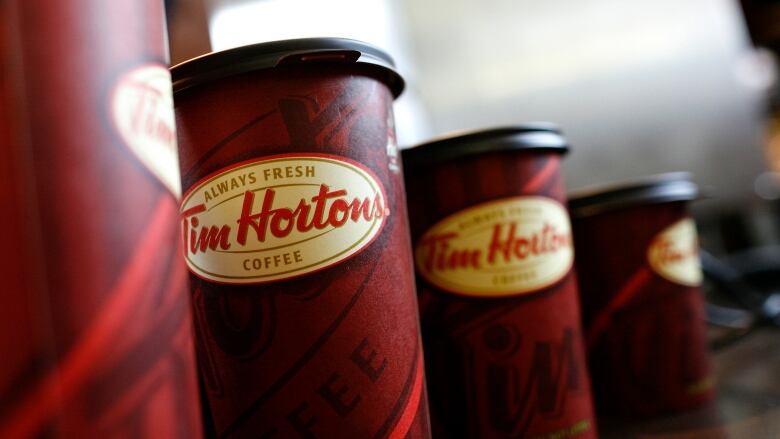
187 29
763 22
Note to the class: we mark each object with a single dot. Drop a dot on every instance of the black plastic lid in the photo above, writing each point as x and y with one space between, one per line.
538 135
217 65
661 188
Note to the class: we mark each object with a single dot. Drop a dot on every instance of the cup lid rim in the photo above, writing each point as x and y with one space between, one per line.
526 136
658 188
302 51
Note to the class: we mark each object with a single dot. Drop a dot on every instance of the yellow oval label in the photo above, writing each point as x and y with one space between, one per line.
280 217
142 109
674 254
504 247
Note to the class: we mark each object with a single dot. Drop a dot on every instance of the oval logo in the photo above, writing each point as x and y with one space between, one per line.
505 247
280 217
142 109
674 254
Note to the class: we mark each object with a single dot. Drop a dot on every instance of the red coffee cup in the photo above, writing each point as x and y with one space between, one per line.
639 273
297 242
498 297
95 329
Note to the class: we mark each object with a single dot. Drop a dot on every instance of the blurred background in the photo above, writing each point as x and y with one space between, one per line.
639 87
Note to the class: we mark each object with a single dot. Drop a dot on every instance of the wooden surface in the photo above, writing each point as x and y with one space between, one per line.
748 405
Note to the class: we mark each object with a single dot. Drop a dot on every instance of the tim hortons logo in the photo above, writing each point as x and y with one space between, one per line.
504 247
674 254
279 217
142 110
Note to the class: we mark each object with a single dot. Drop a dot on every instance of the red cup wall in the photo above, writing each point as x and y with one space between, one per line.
283 359
647 342
499 367
95 329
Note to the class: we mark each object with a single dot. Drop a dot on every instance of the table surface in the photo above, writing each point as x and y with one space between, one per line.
748 404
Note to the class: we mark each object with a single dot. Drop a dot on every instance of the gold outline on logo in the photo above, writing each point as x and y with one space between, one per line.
260 162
